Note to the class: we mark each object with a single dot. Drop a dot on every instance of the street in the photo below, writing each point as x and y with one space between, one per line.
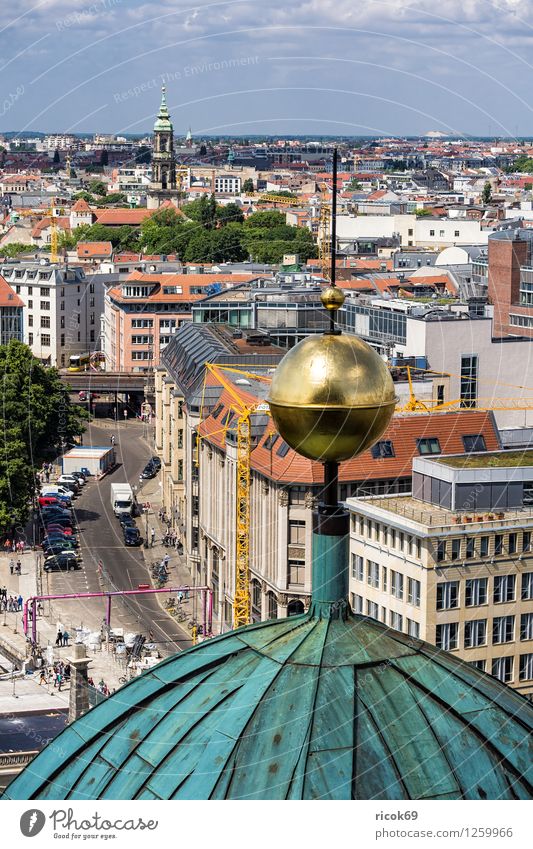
101 539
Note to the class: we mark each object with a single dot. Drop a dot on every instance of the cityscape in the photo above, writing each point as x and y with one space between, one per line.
266 487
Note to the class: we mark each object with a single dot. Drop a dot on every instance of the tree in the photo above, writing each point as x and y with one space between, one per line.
423 213
36 414
203 210
486 195
98 187
268 218
248 185
162 233
227 245
231 212
528 186
56 160
14 249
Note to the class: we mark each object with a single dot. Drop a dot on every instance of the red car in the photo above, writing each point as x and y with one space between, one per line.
64 529
46 500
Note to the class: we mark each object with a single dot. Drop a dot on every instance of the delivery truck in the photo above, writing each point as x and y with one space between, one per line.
121 498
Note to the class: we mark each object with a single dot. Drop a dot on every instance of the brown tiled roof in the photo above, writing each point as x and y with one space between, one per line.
94 249
184 281
8 298
118 217
403 432
81 206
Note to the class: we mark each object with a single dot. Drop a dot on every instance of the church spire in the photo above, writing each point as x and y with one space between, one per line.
163 121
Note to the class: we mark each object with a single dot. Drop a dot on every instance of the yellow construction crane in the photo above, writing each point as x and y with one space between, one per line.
416 405
241 600
272 198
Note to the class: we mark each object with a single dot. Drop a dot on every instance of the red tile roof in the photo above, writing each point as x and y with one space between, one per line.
185 282
8 298
81 206
403 432
118 217
94 249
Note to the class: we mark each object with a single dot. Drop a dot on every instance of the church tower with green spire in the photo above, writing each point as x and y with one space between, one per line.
163 185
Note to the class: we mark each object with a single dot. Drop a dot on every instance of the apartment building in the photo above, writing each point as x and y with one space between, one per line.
142 313
228 184
62 308
196 440
453 562
435 233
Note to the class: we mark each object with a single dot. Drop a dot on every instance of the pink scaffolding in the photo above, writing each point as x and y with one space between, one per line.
32 602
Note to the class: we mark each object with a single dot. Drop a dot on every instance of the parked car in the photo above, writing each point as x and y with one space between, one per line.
60 498
53 512
132 535
58 522
57 491
81 478
54 527
58 539
58 547
126 519
149 472
61 562
48 501
155 461
70 481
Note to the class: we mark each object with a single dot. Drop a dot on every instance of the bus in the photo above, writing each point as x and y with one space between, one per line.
79 362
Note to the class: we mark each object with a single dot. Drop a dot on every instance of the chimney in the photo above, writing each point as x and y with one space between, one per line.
79 689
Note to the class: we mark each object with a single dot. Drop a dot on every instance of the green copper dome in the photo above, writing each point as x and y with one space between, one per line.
308 707
163 122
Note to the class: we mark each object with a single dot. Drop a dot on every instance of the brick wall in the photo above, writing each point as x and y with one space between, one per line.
506 256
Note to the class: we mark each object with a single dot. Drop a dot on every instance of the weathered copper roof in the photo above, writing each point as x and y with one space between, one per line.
299 708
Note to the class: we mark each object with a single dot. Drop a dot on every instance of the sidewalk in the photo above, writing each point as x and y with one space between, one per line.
105 665
179 574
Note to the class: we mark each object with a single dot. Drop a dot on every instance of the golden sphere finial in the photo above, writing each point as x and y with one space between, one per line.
332 298
331 397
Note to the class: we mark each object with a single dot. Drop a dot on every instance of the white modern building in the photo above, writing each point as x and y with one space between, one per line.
62 308
436 233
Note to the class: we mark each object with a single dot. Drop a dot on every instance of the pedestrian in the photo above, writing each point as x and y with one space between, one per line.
19 601
67 672
112 439
180 597
152 536
47 475
166 559
66 636
59 638
59 679
19 567
11 566
42 676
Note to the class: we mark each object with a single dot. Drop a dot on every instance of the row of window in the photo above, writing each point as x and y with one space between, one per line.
395 620
503 667
147 323
477 591
388 580
476 632
468 547
406 543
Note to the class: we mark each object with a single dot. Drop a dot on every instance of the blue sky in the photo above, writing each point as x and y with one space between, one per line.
268 66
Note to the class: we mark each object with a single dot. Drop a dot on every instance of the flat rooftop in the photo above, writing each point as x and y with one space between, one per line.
487 460
425 513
